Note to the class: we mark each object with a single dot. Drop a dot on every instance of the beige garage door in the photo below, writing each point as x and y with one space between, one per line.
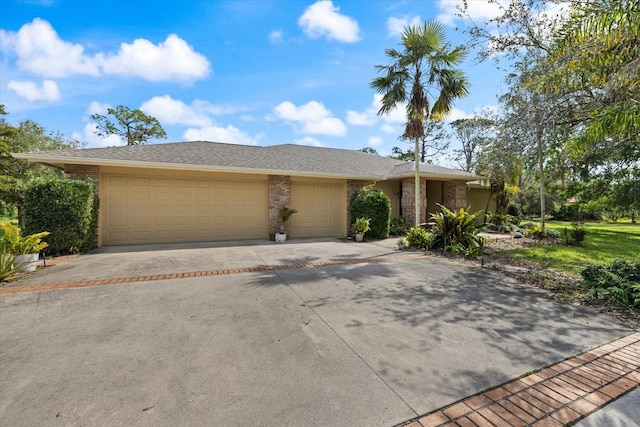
165 207
321 209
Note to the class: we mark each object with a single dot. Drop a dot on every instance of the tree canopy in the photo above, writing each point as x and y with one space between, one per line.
133 126
15 174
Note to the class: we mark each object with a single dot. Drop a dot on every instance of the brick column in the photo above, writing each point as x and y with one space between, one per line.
353 186
454 195
408 200
83 172
279 196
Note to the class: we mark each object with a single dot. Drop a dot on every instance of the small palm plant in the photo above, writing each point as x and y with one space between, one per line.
285 213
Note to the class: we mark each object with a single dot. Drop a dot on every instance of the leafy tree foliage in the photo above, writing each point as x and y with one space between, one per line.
369 150
15 174
422 77
474 134
133 126
434 142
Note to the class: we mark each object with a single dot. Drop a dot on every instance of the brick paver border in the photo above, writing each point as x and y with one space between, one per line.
557 395
12 289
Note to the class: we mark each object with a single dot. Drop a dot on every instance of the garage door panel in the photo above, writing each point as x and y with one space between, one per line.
321 209
148 209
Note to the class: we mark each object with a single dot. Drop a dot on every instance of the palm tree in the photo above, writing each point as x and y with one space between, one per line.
422 77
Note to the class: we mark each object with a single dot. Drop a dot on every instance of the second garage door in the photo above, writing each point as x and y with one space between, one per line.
160 207
321 209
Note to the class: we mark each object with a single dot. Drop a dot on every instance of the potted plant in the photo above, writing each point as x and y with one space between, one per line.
284 213
361 226
26 248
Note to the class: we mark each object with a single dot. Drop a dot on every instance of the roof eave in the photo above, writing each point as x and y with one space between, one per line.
64 160
444 177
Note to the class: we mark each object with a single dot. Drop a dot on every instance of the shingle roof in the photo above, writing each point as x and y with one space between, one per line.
287 158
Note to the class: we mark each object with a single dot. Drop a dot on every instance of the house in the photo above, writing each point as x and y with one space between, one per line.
207 191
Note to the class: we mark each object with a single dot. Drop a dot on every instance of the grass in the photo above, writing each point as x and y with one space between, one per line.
604 242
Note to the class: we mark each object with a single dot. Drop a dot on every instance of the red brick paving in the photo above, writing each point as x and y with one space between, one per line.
558 395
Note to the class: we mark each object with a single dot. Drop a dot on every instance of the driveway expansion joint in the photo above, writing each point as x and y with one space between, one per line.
557 395
17 288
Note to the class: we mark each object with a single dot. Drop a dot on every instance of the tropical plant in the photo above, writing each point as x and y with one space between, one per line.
285 213
422 77
398 226
7 260
20 245
618 282
458 228
361 225
417 237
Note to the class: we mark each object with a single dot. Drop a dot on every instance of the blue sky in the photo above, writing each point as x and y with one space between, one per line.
247 72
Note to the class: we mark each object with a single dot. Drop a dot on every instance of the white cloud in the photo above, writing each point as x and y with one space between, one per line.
396 26
172 59
323 19
276 36
479 10
96 107
31 92
171 111
374 141
359 119
370 116
229 135
307 140
41 51
387 128
95 141
457 114
316 119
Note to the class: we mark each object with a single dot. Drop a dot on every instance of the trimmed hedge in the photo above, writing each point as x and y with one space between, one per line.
374 204
68 209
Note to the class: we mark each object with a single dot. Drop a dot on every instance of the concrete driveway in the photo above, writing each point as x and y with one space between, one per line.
375 342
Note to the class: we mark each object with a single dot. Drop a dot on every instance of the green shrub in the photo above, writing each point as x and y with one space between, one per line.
618 282
575 212
513 209
577 234
417 237
399 226
68 209
374 204
537 233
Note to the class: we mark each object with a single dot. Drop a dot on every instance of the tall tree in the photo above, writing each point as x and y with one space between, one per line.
423 77
434 142
474 134
133 126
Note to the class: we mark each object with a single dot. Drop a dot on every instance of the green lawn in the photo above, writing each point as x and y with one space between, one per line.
603 243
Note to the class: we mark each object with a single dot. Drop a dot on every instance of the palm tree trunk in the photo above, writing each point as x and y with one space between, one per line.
417 181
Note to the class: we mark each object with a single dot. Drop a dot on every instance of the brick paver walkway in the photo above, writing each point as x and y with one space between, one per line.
555 396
